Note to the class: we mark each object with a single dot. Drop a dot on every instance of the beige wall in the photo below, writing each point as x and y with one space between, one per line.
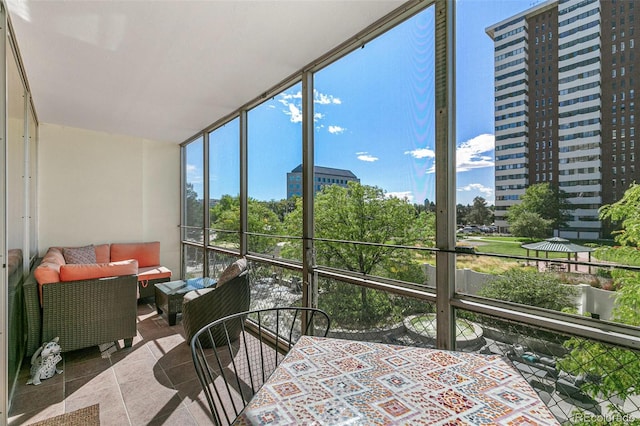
96 187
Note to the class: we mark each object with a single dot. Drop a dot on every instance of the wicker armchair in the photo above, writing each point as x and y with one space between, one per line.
202 307
81 313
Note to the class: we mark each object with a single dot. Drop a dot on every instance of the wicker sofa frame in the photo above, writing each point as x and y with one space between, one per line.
230 298
81 313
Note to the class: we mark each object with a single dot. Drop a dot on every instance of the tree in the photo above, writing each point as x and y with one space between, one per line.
194 214
616 370
547 201
344 219
626 211
225 216
461 214
361 213
282 207
479 213
529 225
613 371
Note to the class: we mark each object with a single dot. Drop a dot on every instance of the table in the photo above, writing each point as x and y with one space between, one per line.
169 295
327 381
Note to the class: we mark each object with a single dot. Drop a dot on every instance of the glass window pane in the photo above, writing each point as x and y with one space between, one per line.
360 313
193 192
374 153
224 185
194 261
18 257
33 194
274 151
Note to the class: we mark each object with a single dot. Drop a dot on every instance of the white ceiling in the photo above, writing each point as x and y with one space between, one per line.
164 70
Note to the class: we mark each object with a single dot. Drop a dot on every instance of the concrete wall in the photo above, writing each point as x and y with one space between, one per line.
96 187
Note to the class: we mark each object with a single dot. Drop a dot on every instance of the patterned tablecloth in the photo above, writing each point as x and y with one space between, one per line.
338 382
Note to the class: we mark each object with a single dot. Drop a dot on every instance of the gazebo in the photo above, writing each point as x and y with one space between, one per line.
558 245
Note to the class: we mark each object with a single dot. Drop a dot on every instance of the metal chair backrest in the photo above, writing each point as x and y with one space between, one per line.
235 355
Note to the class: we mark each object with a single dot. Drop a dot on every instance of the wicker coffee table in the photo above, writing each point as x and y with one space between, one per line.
169 295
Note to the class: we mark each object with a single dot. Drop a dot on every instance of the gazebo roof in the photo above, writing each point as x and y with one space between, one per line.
557 244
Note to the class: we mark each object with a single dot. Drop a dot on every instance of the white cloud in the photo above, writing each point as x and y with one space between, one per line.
401 195
422 153
473 154
336 129
477 187
476 153
323 99
194 174
292 103
365 156
295 113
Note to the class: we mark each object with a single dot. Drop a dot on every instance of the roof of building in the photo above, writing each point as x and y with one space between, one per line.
557 244
319 170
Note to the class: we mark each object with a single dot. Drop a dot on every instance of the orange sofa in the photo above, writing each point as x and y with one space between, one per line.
141 259
90 298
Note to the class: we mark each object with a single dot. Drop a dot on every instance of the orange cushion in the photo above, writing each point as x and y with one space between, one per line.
47 272
147 254
75 272
102 253
49 269
153 273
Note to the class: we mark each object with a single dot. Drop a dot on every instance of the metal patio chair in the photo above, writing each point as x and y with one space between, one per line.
235 355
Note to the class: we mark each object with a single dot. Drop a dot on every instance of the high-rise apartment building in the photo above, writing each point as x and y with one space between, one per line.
565 78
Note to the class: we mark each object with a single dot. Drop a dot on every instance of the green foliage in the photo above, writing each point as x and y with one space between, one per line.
529 224
612 371
362 213
461 214
626 212
366 214
352 306
225 216
547 201
479 213
194 214
622 255
616 370
531 288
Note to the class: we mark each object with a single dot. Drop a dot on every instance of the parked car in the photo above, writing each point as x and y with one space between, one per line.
472 229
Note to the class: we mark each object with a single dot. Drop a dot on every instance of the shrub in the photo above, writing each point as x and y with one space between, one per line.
531 288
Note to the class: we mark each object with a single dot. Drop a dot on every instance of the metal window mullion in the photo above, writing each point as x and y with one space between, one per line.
445 173
205 203
183 202
244 195
309 282
4 278
26 190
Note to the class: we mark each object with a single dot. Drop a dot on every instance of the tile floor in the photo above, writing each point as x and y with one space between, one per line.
151 383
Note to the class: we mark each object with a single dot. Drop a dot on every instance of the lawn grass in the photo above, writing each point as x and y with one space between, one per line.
509 246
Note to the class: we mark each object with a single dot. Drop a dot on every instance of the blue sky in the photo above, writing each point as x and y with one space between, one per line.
374 115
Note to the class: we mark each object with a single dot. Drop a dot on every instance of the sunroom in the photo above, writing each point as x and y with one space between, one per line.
332 144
